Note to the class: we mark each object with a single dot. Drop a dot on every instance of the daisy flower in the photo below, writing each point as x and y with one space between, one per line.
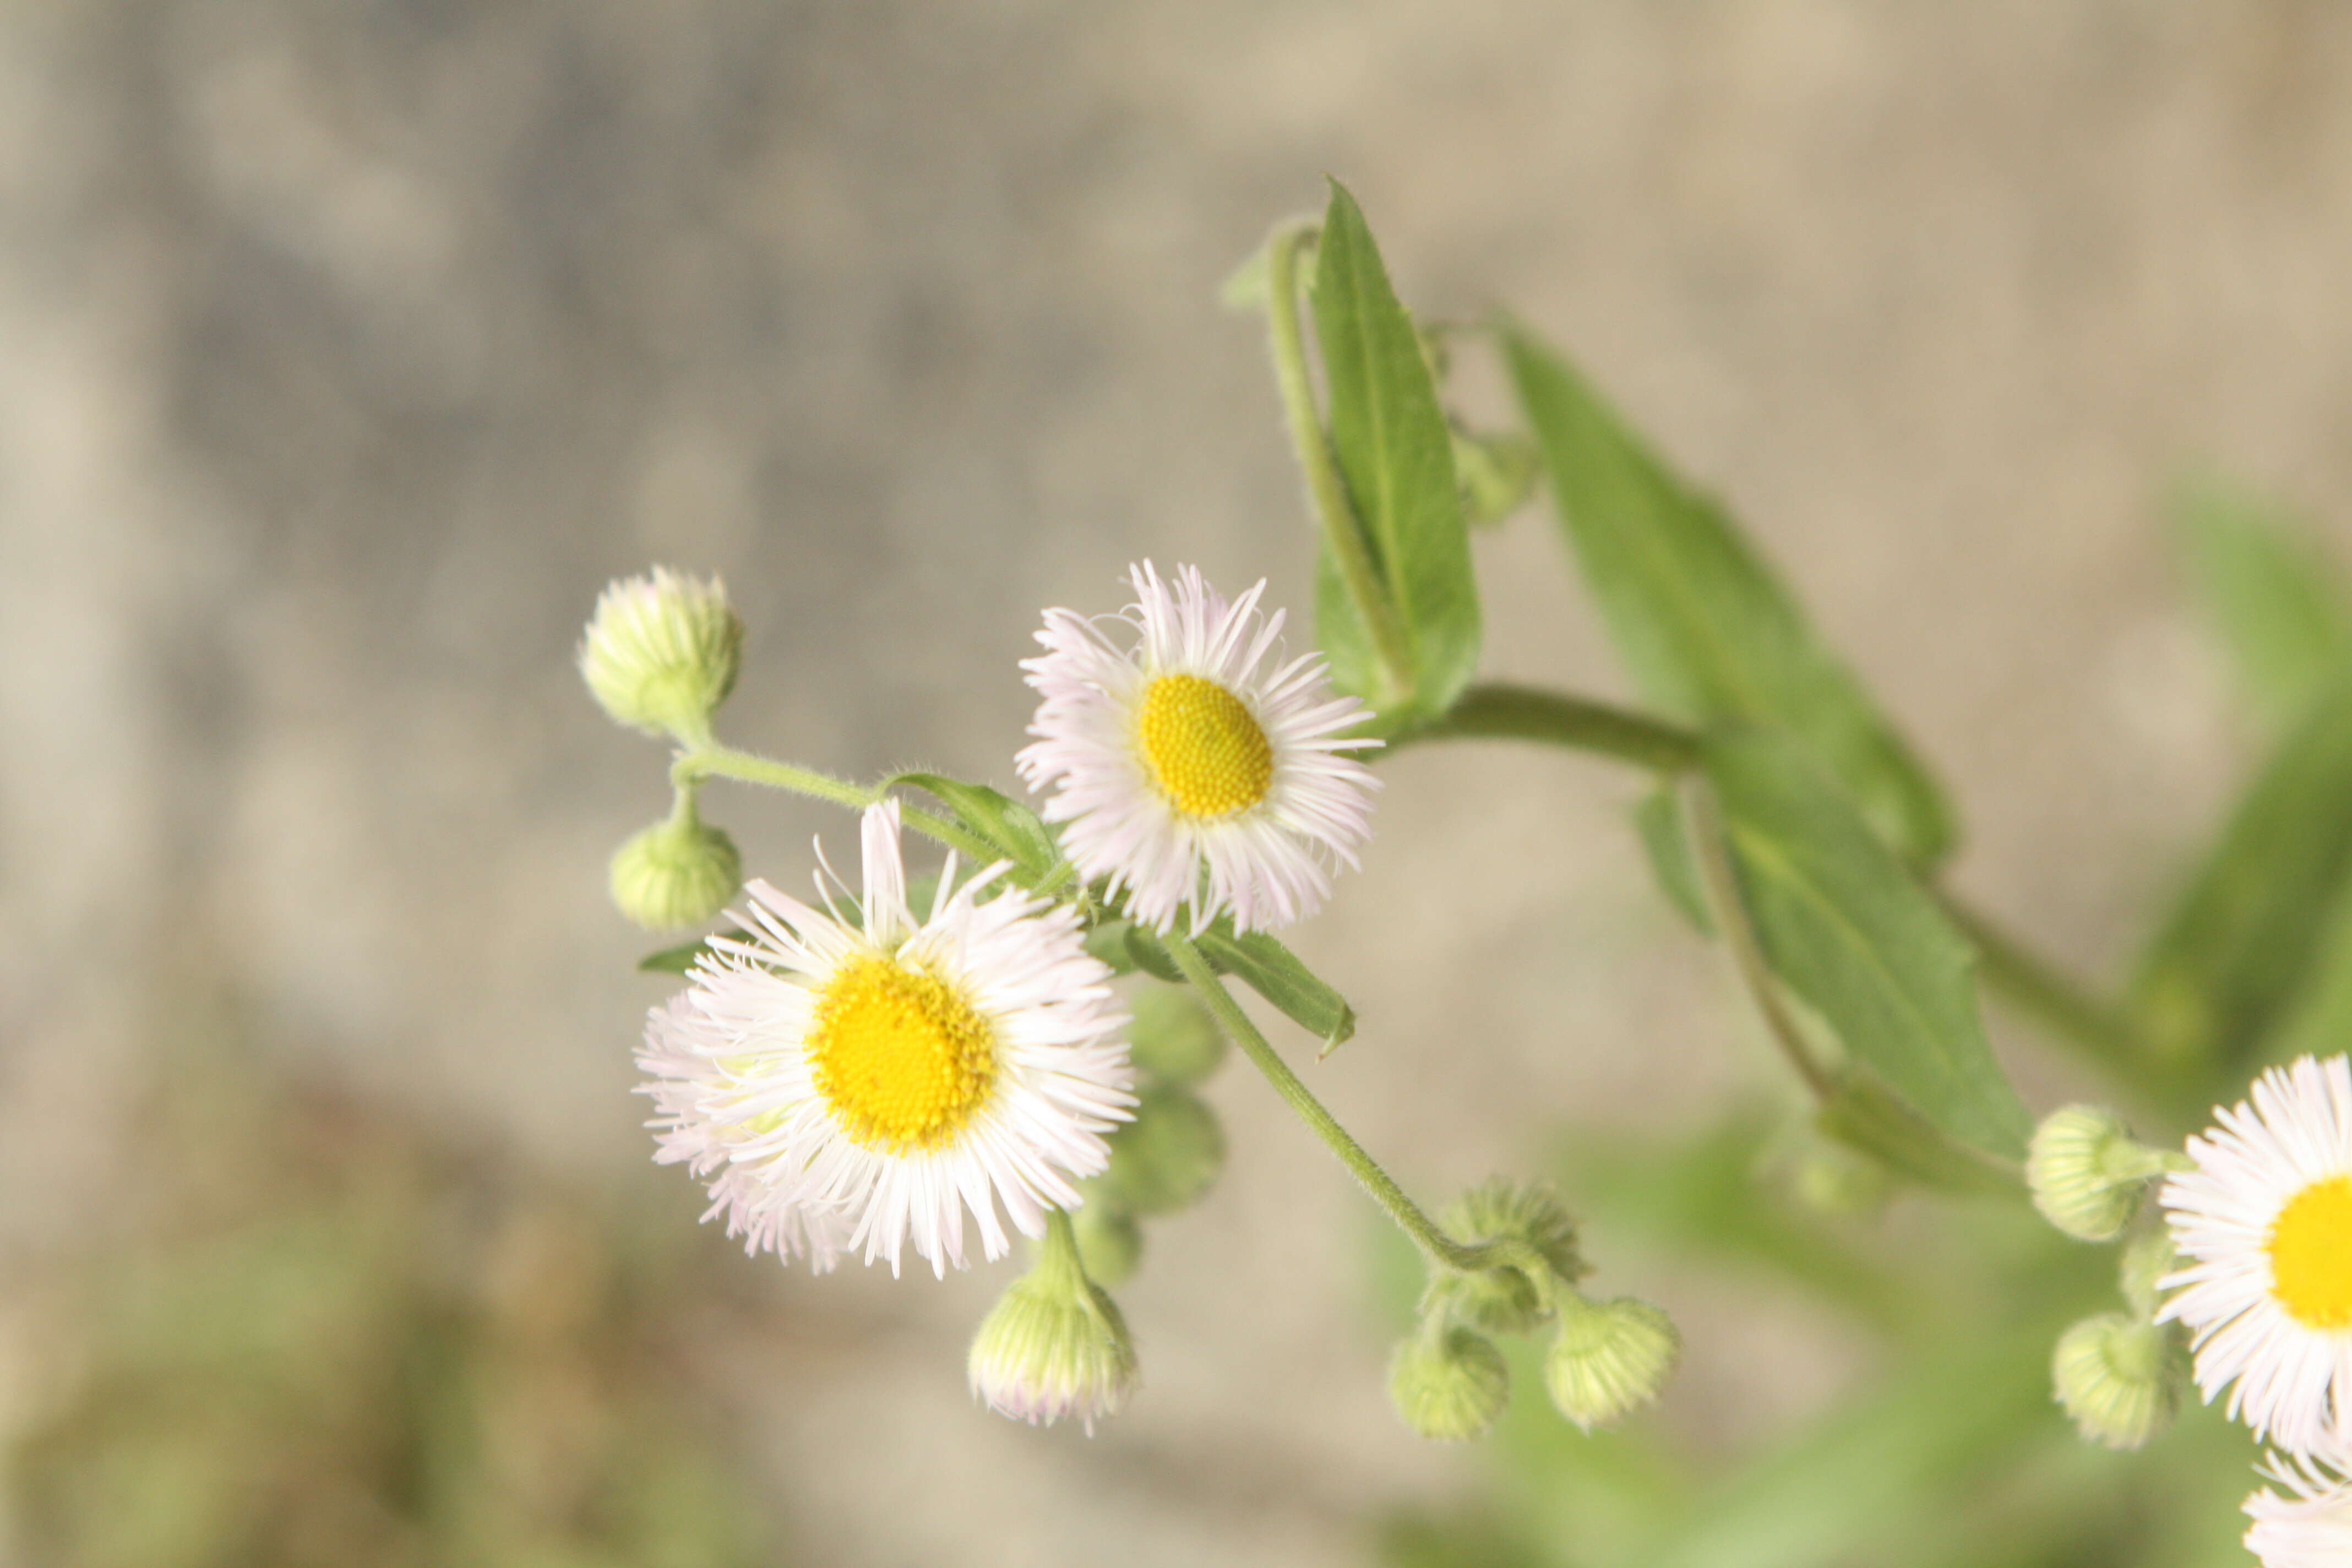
2311 1527
2265 1222
1190 762
848 1084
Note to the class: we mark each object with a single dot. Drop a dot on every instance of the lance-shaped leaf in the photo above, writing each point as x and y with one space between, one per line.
2242 935
2277 602
1395 455
1847 928
1707 630
1267 967
1010 827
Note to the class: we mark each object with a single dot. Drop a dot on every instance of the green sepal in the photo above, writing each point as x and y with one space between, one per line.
1706 628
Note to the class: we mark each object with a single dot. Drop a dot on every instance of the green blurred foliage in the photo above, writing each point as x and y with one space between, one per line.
323 1337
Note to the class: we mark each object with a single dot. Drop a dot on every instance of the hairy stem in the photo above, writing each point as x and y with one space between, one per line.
1343 530
726 762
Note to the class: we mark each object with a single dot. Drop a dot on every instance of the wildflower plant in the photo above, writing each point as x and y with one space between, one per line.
1017 1049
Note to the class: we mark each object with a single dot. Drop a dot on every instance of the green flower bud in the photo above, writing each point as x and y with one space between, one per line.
2120 1378
1173 1037
1505 1300
1110 1243
661 651
1496 473
2087 1172
1053 1345
1837 1180
1166 1158
1448 1386
675 873
1610 1358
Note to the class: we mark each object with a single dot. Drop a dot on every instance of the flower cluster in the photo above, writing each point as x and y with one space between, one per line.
873 1072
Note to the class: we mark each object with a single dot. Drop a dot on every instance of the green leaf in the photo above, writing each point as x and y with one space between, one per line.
674 960
1267 967
2243 934
1866 1115
1013 830
1847 928
1707 630
1395 453
2279 604
1658 820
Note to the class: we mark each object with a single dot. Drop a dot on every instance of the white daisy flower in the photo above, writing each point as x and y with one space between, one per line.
2311 1527
2265 1222
1196 765
850 1085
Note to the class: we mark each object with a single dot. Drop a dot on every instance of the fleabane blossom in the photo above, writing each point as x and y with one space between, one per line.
2264 1224
1194 763
854 1083
2311 1525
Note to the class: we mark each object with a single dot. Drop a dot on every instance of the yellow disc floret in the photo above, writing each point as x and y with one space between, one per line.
1203 750
2311 1254
900 1054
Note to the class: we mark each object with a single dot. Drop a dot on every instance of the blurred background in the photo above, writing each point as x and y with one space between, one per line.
345 351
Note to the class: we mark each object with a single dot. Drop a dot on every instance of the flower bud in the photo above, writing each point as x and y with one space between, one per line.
1610 1358
1053 1345
2147 1259
1496 473
1166 1158
1448 1385
675 873
1836 1180
1505 1300
2120 1378
660 652
2087 1172
1173 1036
1110 1243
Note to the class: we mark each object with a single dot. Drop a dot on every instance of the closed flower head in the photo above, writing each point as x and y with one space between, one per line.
856 1084
1193 765
1054 1345
661 651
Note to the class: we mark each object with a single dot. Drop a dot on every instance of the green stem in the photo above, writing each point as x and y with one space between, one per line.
1467 1256
745 767
1712 852
2042 992
1494 712
1343 531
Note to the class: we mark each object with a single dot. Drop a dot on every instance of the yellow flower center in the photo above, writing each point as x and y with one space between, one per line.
1205 752
900 1054
2311 1254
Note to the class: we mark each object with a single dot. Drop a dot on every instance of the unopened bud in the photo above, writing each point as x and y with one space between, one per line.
1054 1345
677 872
1496 473
1164 1159
2120 1378
660 653
1110 1243
1505 1300
1448 1385
1610 1358
1837 1180
1172 1035
2087 1172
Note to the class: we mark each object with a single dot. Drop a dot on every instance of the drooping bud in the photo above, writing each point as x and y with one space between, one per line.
1173 1036
660 653
678 872
1505 1300
2087 1172
1610 1358
1166 1158
1110 1243
2120 1378
1448 1383
1053 1345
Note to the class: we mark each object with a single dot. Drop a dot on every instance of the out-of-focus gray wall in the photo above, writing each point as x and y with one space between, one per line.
345 350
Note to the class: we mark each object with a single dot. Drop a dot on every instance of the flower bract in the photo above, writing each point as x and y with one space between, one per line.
857 1083
1193 765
